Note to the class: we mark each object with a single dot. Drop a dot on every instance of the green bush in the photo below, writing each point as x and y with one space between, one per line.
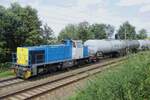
128 81
4 66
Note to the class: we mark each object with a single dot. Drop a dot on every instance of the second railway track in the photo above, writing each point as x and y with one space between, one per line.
31 90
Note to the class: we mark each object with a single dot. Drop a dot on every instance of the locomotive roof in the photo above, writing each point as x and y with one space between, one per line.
42 46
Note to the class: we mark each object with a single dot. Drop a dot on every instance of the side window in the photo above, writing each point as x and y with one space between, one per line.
39 58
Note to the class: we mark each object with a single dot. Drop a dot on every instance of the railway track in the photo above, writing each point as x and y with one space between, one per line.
7 79
42 86
9 82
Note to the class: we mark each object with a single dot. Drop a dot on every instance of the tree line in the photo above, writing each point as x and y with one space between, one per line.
21 26
86 31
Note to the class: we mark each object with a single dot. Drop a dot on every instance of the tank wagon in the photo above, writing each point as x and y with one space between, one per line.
144 44
31 61
132 45
34 60
106 47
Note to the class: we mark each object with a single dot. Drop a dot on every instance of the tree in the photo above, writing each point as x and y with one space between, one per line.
19 26
69 32
142 34
79 31
83 31
109 30
127 31
98 30
47 35
101 31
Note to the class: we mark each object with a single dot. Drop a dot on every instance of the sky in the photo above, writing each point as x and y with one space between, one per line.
58 13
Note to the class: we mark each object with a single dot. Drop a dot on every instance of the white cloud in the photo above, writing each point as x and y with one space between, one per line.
86 3
132 2
58 17
144 5
145 8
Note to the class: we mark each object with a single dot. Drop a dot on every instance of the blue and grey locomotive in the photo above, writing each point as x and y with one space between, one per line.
31 61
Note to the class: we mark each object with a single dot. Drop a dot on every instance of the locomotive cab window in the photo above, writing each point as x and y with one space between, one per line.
74 44
77 44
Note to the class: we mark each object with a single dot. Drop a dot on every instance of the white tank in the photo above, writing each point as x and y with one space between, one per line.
132 44
116 45
148 43
104 46
144 44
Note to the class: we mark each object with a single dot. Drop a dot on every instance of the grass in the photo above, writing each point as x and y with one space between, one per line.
6 74
128 81
5 70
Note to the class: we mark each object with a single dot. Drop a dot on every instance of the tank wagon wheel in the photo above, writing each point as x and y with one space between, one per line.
99 54
118 54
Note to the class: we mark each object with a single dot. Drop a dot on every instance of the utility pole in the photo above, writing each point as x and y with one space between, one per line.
126 41
125 34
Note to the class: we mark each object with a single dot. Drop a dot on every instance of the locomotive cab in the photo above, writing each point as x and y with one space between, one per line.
77 50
